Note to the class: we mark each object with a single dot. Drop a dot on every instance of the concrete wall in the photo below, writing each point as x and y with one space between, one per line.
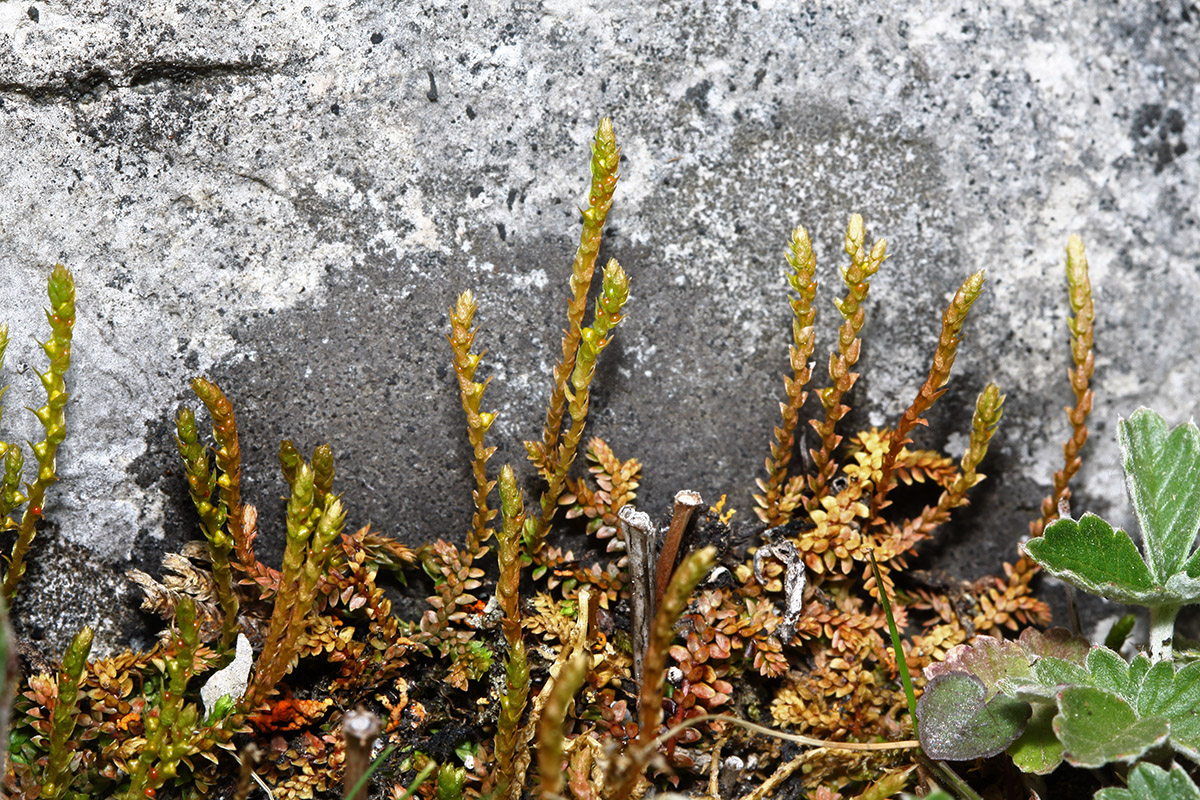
287 197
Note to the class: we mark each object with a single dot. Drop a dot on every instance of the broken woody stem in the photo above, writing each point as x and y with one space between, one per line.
639 535
650 570
360 728
686 503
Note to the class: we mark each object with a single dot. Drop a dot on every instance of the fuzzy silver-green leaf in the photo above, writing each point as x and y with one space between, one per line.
1093 556
1098 727
1150 782
955 724
1162 471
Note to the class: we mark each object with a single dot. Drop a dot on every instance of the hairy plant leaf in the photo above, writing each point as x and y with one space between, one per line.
1056 642
1162 471
1047 678
987 658
1139 667
954 723
1092 556
1110 671
1097 727
1057 672
1037 749
1176 697
1007 666
1149 782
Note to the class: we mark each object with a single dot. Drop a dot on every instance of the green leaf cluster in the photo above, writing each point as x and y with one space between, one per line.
1050 698
1044 700
1162 472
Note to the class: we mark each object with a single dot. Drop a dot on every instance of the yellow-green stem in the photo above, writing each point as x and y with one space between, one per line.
60 287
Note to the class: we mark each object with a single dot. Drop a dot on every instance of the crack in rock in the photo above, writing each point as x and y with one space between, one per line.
72 86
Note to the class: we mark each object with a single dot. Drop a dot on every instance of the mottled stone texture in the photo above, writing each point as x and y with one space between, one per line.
287 197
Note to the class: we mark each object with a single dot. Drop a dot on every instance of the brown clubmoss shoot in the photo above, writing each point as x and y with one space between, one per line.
615 484
592 342
229 461
550 736
606 157
516 668
650 700
857 277
934 386
202 482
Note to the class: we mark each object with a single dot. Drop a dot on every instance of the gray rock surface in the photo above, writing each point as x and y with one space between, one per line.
287 198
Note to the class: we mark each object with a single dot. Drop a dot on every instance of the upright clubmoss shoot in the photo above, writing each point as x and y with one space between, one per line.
58 773
650 699
592 341
466 362
774 505
171 724
1081 324
857 277
553 455
60 287
550 726
935 384
516 668
606 157
202 482
311 533
229 465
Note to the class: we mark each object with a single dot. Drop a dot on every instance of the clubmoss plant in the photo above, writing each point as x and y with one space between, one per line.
462 337
554 454
1082 338
802 278
202 482
310 539
516 668
60 287
857 277
585 649
169 727
58 776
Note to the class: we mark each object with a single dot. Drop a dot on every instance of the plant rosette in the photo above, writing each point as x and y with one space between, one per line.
1053 697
